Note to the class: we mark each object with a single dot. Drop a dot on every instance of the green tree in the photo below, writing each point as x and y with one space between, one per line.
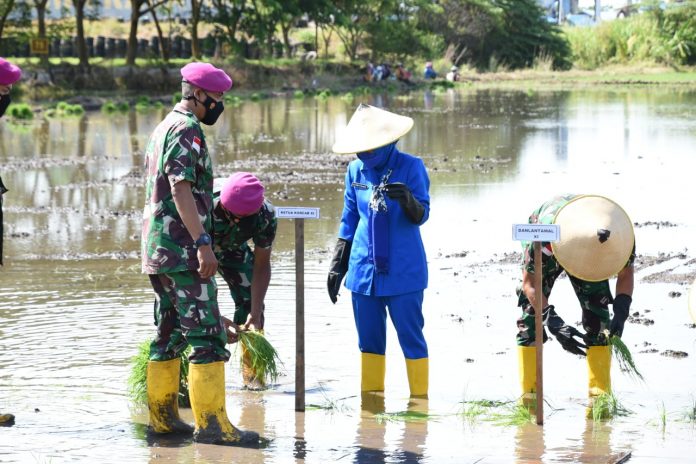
138 9
351 21
5 10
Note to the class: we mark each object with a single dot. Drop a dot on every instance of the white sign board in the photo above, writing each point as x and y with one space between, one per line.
296 212
536 232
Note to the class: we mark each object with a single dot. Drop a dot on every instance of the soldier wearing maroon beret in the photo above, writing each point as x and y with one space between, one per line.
9 74
178 257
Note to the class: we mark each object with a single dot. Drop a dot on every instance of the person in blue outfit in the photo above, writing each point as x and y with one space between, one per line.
379 248
429 72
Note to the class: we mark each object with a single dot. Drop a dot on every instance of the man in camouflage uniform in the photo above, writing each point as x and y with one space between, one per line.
605 247
9 74
241 213
177 255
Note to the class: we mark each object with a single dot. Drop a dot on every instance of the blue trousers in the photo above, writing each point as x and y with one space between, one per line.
406 312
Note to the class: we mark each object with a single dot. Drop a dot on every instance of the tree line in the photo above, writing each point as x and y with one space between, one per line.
476 32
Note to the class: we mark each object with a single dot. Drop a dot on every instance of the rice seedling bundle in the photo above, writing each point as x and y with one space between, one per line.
137 380
263 356
623 357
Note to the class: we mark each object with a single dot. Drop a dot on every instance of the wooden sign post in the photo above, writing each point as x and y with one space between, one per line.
299 214
537 233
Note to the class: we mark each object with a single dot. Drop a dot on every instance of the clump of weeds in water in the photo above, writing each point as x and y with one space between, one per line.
607 406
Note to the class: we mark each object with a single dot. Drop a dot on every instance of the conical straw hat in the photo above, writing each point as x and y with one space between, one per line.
371 128
692 301
596 238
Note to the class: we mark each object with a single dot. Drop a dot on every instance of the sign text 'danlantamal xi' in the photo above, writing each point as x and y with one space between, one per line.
536 232
296 212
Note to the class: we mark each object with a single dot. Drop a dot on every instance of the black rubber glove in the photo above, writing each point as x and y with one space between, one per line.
622 304
563 332
339 267
412 208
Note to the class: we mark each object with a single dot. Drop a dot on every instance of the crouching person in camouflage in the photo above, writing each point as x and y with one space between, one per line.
177 255
240 214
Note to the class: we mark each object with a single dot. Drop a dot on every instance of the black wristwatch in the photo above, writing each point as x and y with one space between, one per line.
203 239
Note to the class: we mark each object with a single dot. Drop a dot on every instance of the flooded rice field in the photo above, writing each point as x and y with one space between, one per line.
74 306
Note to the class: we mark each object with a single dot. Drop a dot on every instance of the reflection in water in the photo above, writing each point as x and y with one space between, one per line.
299 443
369 438
372 445
73 306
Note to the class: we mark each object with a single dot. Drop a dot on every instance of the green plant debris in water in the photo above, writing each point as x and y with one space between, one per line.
405 416
475 409
137 380
263 356
623 357
514 414
607 406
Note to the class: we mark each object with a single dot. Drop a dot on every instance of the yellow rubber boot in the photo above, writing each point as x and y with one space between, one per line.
251 381
207 392
163 397
527 368
599 369
417 371
373 371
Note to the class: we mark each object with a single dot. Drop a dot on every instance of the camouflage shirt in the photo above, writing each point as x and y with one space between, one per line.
175 152
229 235
546 214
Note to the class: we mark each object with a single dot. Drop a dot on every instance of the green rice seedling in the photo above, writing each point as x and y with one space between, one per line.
20 111
176 98
607 406
298 94
137 380
232 100
690 415
623 357
263 356
514 414
329 404
348 96
473 410
123 106
403 416
255 96
62 106
663 416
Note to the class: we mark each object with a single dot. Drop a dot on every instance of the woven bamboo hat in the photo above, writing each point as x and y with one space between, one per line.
371 128
596 238
692 301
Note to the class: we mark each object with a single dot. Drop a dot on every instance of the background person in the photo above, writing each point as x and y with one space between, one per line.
240 214
9 74
379 247
597 242
178 257
453 74
429 72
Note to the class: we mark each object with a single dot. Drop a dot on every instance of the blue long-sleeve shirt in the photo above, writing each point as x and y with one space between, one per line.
408 269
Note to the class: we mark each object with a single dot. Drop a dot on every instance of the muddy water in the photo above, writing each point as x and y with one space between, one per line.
73 306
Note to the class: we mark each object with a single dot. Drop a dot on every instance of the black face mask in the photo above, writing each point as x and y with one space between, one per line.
213 110
246 224
4 103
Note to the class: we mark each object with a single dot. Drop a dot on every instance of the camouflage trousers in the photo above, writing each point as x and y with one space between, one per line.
594 298
237 268
186 312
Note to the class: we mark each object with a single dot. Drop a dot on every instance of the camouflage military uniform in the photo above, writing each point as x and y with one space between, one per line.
594 297
186 309
235 257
